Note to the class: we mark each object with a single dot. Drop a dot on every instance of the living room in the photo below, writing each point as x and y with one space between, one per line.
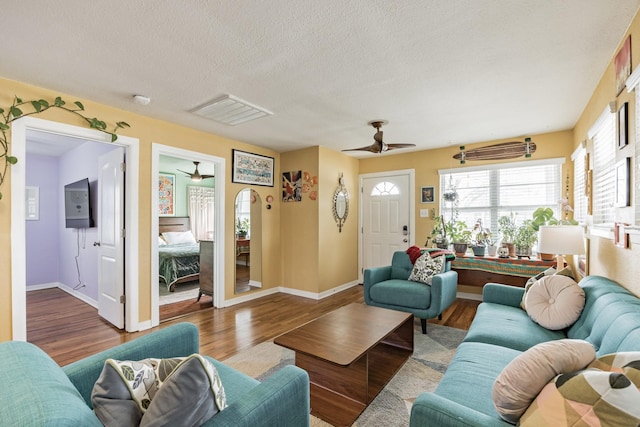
304 254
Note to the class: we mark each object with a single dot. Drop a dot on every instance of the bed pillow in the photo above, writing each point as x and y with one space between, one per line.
555 302
426 267
176 237
522 379
161 241
184 391
585 398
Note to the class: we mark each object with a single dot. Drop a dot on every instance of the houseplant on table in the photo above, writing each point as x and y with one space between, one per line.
507 227
481 239
242 228
460 235
525 237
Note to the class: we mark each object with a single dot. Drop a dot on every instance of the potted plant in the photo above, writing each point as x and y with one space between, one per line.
439 234
242 228
480 238
507 227
526 236
545 216
460 236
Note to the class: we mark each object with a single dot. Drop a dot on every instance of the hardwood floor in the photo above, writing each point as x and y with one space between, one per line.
68 329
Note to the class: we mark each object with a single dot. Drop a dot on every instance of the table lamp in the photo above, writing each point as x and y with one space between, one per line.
561 240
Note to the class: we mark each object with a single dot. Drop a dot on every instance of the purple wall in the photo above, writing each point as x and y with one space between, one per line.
64 244
42 236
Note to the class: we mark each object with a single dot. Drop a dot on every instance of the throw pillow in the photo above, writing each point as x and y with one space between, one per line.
426 267
177 237
585 398
626 362
551 271
126 392
522 379
555 302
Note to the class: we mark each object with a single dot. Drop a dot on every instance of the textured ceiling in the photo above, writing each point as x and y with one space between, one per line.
441 72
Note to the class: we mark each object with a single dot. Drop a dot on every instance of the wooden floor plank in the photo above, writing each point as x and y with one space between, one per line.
68 329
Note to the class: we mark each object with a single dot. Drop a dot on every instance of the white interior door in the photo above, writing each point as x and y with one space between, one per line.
386 222
111 237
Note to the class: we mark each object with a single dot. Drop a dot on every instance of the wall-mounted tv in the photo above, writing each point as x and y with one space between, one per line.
77 204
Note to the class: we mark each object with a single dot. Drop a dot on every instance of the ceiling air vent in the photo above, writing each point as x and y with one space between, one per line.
230 110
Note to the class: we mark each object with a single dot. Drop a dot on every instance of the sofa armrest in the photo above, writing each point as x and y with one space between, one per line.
429 409
444 287
373 276
281 400
502 294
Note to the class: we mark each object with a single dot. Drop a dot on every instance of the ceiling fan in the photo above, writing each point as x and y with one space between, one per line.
379 146
196 176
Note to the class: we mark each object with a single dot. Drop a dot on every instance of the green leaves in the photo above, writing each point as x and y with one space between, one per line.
15 111
79 105
12 160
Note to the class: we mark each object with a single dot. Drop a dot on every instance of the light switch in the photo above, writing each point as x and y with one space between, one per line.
424 213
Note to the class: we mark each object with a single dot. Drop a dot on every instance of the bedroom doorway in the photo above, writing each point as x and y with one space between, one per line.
187 255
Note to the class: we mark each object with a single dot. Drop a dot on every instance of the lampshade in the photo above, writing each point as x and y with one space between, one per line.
561 240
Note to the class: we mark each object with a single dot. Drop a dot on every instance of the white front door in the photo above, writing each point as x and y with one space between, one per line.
386 221
111 237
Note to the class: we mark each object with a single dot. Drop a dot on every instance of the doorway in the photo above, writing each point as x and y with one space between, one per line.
386 218
20 130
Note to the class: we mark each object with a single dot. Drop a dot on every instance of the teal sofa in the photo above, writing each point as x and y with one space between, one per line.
35 391
501 331
389 287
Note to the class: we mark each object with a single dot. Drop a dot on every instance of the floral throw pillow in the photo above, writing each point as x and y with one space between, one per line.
426 267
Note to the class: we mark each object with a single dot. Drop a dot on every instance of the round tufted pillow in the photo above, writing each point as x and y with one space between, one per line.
585 398
555 302
522 379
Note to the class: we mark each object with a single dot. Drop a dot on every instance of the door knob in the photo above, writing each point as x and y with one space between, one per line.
405 240
96 243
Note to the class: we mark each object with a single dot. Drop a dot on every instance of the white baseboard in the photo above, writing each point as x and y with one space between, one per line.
82 297
43 286
255 284
468 295
316 295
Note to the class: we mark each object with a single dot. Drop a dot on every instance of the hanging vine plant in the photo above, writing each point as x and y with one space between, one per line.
18 109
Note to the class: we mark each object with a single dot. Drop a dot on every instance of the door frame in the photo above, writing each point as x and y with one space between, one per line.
218 225
412 209
19 130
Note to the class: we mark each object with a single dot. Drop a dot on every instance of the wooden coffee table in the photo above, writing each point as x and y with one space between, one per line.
350 355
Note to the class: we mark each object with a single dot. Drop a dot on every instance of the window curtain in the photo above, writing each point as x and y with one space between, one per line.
201 212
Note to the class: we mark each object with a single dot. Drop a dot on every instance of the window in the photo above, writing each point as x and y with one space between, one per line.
385 189
489 192
604 155
580 200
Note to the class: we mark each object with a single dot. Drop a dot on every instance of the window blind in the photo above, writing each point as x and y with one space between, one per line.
580 208
604 156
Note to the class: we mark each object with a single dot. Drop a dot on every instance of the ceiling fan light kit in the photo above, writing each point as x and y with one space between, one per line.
379 146
196 176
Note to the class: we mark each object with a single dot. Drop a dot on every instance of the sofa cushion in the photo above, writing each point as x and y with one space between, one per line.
401 293
185 391
508 326
36 392
426 267
522 379
589 397
626 362
555 302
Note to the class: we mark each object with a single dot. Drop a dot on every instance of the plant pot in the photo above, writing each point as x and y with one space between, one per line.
460 248
478 250
523 252
442 245
546 257
512 248
492 250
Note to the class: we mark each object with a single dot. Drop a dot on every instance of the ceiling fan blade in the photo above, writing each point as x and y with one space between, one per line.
378 136
207 176
392 146
374 148
186 173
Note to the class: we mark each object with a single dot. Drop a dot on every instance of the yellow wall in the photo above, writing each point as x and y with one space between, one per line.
427 163
606 259
147 130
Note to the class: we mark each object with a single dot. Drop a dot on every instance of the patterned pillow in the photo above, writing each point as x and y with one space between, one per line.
627 362
426 267
184 391
585 398
522 379
555 302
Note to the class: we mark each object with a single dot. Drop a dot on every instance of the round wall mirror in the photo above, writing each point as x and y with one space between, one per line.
340 204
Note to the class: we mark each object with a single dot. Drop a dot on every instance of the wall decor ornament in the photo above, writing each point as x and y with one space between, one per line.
622 63
504 150
428 194
623 190
340 204
166 194
253 169
623 127
292 186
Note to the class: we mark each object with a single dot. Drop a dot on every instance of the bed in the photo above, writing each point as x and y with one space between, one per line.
178 263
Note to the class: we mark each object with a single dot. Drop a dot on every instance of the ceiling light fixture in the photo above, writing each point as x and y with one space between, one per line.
141 99
230 110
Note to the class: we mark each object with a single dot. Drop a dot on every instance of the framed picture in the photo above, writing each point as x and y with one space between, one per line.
166 194
622 63
292 186
427 194
254 169
32 203
623 193
623 128
620 236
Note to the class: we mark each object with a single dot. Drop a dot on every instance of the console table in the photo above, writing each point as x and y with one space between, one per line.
476 271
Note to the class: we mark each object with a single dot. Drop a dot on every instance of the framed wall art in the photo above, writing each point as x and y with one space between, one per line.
427 195
32 203
254 169
622 63
623 190
623 128
166 194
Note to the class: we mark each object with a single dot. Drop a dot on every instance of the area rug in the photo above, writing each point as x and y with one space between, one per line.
422 372
182 292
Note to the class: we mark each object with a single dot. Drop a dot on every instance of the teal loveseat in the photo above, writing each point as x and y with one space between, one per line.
390 287
35 391
501 331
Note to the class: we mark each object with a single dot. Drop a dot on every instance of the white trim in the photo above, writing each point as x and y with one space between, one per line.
18 229
633 80
580 151
598 123
218 244
497 166
82 297
42 286
412 208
